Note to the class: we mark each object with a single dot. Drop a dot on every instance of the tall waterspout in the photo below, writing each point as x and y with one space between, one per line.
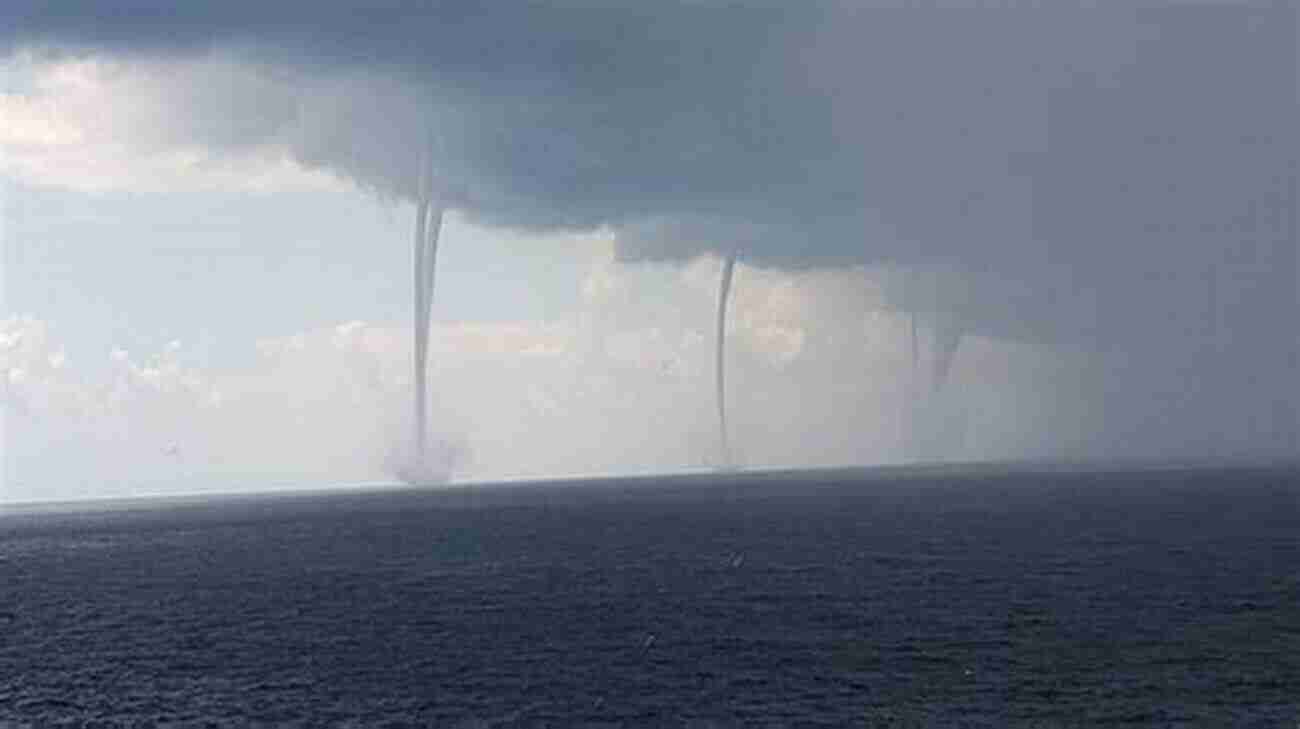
720 373
429 211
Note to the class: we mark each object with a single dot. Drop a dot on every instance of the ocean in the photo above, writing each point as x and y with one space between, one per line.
925 597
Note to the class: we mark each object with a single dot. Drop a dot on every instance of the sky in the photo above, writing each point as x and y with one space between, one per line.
207 221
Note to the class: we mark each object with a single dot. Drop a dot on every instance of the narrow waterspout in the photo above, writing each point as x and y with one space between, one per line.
724 291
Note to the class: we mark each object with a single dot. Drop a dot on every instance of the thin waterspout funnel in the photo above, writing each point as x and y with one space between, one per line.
720 373
428 226
947 337
916 349
913 286
418 324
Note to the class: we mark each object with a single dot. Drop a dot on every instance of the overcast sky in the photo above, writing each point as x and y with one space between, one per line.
207 222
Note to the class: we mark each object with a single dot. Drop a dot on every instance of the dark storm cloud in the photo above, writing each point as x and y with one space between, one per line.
567 114
1043 151
554 114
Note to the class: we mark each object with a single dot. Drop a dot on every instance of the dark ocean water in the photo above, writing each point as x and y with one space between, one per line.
1167 598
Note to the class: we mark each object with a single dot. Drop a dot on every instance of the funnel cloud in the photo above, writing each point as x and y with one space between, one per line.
429 212
720 359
